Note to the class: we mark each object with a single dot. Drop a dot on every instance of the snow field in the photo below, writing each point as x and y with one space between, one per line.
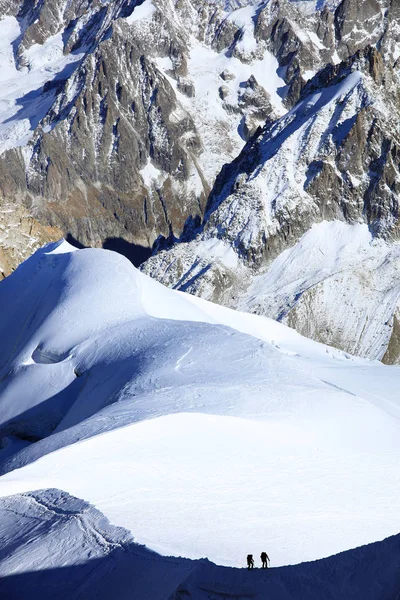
143 11
48 527
203 431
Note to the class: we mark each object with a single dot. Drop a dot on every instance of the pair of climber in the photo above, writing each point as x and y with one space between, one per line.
264 561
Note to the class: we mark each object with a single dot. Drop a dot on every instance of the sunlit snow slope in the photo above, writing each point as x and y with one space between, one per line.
203 431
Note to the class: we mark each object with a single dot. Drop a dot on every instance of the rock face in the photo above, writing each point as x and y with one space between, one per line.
213 135
20 236
131 120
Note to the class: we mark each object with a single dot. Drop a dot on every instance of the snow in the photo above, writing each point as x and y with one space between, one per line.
206 109
316 41
195 471
201 430
214 249
151 174
206 65
277 183
218 121
306 7
22 101
244 19
39 55
308 75
143 11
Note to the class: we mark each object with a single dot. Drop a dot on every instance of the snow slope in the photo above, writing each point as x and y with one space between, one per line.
337 281
44 564
203 431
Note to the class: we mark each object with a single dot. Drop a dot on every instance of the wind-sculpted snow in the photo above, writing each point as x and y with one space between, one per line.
103 561
203 431
83 343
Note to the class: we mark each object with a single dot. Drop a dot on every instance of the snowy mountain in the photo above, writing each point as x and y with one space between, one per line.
246 152
94 87
204 432
322 175
217 129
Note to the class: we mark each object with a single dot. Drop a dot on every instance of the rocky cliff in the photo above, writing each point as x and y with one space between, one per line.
123 113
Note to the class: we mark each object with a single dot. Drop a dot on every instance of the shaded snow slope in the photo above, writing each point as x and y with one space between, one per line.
65 359
200 429
109 563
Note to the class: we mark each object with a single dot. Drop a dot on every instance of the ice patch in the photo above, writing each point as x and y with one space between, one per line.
151 175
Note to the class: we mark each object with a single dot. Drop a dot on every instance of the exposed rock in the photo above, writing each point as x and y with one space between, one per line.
227 75
224 91
20 236
392 354
119 152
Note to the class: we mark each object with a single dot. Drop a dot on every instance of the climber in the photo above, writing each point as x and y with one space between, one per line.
264 559
250 562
